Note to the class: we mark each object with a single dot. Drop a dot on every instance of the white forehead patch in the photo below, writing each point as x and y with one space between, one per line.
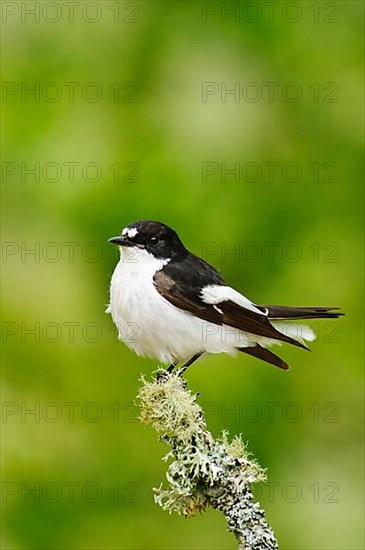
130 232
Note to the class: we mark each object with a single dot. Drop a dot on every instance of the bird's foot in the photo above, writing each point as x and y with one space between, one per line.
163 375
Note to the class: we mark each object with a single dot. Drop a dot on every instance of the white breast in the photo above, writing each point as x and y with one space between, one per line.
151 326
146 322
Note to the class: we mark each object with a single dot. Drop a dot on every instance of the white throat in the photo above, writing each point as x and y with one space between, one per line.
139 260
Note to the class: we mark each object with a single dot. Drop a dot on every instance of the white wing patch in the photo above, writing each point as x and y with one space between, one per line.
214 294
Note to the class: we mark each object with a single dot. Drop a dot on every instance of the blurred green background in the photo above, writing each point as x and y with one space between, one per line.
147 130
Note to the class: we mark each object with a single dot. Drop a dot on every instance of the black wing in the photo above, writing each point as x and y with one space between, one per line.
181 284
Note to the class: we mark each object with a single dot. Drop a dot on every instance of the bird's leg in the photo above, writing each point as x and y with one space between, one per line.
161 376
170 368
190 362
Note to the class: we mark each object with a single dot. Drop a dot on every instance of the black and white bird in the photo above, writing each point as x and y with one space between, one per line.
171 305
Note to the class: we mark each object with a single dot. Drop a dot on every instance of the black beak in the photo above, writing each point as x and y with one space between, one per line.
121 241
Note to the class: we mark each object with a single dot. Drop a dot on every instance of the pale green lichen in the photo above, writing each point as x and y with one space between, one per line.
205 472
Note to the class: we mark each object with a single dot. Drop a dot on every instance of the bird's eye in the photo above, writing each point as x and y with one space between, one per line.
153 240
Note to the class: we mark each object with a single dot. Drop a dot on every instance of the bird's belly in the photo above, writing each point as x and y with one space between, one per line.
151 326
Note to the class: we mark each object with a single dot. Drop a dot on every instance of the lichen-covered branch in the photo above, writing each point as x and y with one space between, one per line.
205 471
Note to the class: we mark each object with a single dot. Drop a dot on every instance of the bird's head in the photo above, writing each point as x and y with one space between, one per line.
155 238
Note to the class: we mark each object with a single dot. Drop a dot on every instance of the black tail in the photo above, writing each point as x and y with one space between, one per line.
265 355
288 312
